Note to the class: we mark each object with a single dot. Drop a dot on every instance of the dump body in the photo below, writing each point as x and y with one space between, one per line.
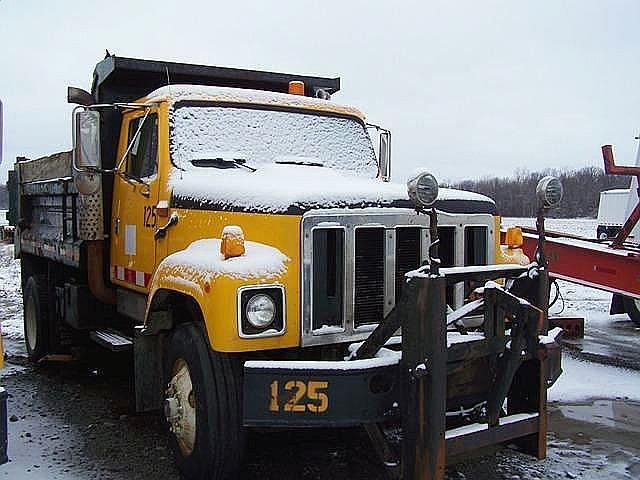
48 209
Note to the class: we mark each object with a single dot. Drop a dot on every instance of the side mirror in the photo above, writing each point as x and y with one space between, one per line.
384 155
86 151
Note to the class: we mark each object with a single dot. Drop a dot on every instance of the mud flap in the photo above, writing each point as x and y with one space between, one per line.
147 358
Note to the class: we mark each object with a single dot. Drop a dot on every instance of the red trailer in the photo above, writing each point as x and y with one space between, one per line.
610 265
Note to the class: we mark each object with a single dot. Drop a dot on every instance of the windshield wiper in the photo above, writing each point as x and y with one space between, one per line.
222 163
306 163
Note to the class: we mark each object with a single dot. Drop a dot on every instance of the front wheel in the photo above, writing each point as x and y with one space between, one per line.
202 406
632 307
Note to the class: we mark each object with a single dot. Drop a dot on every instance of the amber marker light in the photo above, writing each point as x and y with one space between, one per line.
296 87
513 237
232 244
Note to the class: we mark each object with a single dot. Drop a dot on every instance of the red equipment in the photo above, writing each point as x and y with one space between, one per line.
612 265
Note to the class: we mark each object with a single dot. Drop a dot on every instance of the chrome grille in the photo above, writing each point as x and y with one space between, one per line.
328 277
447 254
354 264
408 254
369 275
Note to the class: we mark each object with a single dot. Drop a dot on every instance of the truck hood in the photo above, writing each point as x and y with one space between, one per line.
295 189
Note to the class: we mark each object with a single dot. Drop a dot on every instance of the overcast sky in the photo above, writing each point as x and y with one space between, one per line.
469 88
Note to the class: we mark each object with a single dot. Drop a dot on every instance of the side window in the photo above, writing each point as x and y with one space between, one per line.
143 156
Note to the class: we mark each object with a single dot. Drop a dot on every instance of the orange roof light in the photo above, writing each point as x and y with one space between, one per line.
513 237
296 87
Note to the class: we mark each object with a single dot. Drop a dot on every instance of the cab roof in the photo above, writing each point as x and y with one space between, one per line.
201 93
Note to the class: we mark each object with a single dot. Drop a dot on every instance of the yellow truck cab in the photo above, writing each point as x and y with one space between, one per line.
208 218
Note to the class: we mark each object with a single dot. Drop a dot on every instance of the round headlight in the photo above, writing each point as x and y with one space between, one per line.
260 310
549 192
423 189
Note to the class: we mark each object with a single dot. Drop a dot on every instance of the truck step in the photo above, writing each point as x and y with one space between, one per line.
112 339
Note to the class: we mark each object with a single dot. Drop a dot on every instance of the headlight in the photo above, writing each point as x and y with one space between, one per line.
423 190
260 310
549 192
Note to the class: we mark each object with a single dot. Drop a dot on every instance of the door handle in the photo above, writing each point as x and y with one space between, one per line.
162 231
116 227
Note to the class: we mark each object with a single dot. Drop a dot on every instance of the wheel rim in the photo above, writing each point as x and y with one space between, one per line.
180 407
636 302
31 324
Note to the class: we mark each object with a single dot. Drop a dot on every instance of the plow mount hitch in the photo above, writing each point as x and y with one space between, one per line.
497 375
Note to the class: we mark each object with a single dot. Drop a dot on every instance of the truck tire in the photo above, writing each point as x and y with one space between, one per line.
202 406
632 306
36 317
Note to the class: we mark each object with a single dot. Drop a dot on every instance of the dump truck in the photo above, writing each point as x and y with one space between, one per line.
237 234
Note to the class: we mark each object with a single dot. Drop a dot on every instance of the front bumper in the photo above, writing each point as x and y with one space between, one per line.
320 393
350 393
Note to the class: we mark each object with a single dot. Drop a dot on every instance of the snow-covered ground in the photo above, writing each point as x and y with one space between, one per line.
10 293
585 227
584 380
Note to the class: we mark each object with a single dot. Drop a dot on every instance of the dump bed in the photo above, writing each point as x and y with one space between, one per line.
47 208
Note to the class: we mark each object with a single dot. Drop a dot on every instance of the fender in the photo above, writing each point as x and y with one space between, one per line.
201 273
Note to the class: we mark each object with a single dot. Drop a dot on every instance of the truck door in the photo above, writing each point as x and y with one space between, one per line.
135 196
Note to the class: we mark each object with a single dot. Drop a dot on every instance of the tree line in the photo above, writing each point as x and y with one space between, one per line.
514 196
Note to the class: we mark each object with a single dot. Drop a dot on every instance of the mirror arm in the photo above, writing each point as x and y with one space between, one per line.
377 127
74 164
133 140
74 153
134 181
387 174
384 176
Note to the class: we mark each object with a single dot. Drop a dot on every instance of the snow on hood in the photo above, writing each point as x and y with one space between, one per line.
276 188
202 260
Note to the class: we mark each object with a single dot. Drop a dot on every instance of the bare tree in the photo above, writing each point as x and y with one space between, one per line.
513 195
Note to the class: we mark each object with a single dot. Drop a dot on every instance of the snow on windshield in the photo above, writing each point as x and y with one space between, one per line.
267 136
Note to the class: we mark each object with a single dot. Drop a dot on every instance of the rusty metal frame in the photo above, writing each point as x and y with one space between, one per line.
519 370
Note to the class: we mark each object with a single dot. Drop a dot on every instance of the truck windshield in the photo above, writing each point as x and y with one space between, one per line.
205 136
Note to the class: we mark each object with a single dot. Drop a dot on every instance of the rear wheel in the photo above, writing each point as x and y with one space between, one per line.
36 317
202 406
632 306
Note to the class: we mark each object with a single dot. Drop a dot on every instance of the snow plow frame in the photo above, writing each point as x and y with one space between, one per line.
425 385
